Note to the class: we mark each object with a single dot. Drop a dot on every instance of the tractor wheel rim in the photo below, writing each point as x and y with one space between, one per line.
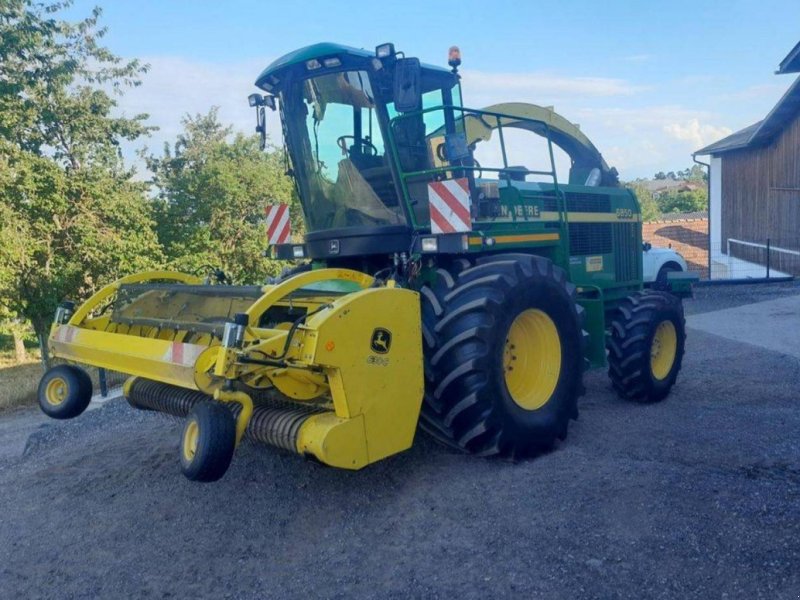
56 391
190 437
663 350
532 359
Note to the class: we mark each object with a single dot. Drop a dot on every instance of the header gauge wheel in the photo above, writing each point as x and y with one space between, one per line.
65 392
645 349
207 442
503 355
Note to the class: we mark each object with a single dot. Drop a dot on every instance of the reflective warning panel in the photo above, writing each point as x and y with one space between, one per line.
449 205
279 229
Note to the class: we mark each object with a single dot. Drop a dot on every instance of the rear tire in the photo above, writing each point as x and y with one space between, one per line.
646 346
479 323
64 392
207 442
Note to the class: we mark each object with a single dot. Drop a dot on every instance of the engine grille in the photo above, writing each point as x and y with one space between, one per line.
579 202
627 252
589 238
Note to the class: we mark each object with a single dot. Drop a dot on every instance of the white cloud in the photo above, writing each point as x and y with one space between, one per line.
544 87
638 140
763 91
697 134
175 87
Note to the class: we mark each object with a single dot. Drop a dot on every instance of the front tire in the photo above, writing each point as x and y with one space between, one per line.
503 355
207 442
662 279
646 346
64 392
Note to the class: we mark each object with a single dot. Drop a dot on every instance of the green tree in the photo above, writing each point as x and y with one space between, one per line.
13 236
213 189
686 201
68 200
650 210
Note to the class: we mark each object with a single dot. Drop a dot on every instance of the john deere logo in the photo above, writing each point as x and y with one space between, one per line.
381 340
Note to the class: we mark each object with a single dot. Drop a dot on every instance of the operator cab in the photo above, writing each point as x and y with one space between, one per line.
336 104
377 141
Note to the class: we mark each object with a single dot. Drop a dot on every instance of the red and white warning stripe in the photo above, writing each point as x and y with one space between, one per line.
186 355
65 333
279 230
449 206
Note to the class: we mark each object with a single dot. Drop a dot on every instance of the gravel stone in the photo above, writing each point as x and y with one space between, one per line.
694 497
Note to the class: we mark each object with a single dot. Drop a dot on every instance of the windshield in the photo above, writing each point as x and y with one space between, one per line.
338 152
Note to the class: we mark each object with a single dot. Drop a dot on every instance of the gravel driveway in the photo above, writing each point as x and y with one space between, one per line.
695 497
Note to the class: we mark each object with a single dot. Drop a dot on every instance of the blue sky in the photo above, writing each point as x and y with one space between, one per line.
649 82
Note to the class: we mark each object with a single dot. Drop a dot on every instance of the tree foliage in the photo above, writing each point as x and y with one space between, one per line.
650 210
74 217
213 189
684 202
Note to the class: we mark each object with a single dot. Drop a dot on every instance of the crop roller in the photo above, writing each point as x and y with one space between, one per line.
327 363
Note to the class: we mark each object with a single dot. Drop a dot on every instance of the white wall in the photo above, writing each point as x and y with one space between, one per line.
723 266
715 203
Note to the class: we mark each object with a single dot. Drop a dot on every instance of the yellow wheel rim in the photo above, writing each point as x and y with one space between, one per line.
663 349
532 359
190 437
56 391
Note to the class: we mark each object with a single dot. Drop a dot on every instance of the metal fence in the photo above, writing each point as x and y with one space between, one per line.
734 259
758 256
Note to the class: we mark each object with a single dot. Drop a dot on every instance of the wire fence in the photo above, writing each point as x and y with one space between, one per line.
752 259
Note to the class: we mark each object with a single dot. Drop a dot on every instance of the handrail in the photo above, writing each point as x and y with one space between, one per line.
276 293
480 114
769 247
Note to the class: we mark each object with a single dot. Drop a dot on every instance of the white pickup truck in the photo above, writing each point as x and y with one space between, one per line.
657 262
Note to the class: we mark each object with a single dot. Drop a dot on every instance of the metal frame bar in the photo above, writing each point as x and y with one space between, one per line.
405 176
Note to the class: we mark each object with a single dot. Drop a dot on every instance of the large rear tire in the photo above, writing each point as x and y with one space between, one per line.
503 355
645 349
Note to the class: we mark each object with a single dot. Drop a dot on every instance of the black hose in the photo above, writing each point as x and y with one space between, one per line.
278 361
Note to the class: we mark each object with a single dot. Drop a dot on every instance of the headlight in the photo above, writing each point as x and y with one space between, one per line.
430 244
298 251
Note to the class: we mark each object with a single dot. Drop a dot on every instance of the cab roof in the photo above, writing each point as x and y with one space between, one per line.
321 50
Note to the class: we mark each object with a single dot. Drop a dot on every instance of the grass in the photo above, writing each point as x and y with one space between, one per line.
18 382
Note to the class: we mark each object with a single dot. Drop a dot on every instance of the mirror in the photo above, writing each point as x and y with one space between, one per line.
407 88
261 126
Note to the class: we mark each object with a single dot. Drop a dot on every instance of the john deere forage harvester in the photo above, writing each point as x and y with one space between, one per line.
430 289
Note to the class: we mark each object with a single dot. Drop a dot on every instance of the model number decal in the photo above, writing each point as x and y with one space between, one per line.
378 361
624 213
